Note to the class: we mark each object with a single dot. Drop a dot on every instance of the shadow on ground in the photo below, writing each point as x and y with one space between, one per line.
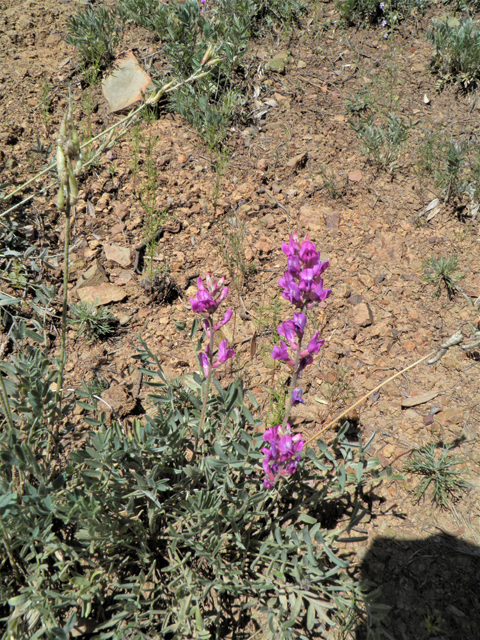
431 586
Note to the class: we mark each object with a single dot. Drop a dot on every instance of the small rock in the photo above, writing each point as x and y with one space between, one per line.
123 277
343 290
101 294
117 228
278 62
182 158
117 254
301 64
355 299
269 221
362 315
454 415
355 176
263 247
262 164
126 84
388 451
93 277
299 161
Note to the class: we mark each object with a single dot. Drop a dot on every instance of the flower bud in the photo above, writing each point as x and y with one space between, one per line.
61 199
61 166
63 129
207 55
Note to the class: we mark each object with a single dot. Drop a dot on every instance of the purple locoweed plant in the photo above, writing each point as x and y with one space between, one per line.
302 285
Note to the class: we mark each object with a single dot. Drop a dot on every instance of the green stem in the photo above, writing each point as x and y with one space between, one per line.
53 437
6 404
8 548
207 388
293 382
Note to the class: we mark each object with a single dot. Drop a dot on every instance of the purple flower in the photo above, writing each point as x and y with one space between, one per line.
297 397
384 23
313 346
224 354
281 353
291 329
204 301
382 5
224 320
204 362
292 248
308 253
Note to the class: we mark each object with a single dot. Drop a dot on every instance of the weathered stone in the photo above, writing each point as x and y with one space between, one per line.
278 62
117 254
362 315
102 294
93 277
299 161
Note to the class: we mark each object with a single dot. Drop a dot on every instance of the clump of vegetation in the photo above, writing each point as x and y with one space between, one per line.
457 51
382 143
374 11
439 472
443 270
95 33
94 323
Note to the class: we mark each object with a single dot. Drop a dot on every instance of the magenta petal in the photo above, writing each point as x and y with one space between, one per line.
204 362
224 320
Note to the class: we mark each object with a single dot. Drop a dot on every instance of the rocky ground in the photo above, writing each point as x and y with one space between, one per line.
293 164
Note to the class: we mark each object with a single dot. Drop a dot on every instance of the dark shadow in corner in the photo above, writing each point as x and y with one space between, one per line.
432 587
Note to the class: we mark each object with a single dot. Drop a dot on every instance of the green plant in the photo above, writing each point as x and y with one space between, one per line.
45 105
330 182
382 143
95 33
373 11
442 271
276 404
131 536
456 51
438 471
94 323
232 245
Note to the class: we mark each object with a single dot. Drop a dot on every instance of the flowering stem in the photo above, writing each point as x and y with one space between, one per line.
207 388
293 382
53 436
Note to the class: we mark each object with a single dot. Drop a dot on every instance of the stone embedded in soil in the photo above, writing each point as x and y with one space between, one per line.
262 164
263 247
126 84
102 294
93 277
355 176
182 158
117 254
362 315
278 62
298 161
454 415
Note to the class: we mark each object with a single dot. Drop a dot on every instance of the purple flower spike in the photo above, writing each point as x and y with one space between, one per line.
284 454
204 301
297 397
287 330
